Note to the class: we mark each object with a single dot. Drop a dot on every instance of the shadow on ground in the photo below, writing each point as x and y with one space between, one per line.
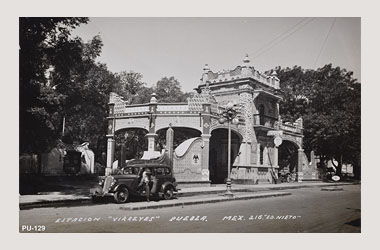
355 223
74 185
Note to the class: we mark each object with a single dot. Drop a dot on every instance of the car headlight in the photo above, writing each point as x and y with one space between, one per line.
101 182
113 183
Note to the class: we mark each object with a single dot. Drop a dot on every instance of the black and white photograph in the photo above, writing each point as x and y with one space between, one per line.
190 124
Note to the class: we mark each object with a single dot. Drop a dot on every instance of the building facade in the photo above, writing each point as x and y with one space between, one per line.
259 142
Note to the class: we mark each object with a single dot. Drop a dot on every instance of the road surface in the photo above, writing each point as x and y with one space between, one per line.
307 210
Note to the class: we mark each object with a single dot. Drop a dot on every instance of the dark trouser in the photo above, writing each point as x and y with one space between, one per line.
147 191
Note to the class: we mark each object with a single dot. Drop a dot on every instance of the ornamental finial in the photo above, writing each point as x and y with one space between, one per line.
246 59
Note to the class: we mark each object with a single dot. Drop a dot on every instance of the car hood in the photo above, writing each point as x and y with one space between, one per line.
118 177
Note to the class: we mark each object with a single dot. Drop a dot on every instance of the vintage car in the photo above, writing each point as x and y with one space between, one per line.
125 183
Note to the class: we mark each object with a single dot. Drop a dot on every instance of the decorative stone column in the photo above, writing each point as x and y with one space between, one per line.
110 155
258 153
152 114
206 121
151 141
205 157
110 139
169 144
265 157
275 157
151 153
299 165
313 166
151 136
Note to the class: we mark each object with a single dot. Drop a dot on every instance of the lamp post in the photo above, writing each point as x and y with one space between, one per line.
229 116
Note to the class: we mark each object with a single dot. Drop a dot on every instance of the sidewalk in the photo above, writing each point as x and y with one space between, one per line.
81 194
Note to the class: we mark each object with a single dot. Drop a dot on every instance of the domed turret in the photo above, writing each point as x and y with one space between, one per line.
153 99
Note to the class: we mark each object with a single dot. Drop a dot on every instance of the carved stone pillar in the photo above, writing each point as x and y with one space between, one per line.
110 155
151 141
275 157
110 140
205 157
299 165
169 144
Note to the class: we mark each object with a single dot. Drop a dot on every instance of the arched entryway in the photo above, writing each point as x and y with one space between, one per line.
218 154
287 158
181 134
130 143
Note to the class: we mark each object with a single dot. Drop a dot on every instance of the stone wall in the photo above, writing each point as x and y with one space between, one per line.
252 175
309 169
52 162
188 167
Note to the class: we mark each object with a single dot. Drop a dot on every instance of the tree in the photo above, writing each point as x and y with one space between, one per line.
45 46
86 119
296 84
134 141
169 90
328 99
60 80
131 87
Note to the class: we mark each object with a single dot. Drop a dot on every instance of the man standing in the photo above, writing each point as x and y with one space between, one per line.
147 178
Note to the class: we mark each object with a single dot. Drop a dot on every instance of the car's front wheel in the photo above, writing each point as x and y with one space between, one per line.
121 195
168 194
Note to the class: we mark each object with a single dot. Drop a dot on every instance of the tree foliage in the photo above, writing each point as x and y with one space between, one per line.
134 141
59 79
169 90
45 46
329 101
132 88
86 119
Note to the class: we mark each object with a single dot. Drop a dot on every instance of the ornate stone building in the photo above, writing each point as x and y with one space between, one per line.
256 139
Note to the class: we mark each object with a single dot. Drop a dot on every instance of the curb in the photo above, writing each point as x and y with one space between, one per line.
185 194
55 203
332 189
88 200
204 201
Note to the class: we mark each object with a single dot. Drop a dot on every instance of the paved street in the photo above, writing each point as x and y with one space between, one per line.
306 210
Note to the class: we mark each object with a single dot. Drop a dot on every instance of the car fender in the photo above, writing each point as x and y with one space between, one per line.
115 188
155 188
166 185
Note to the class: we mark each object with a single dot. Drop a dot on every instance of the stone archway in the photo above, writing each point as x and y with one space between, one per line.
218 153
130 143
288 153
181 134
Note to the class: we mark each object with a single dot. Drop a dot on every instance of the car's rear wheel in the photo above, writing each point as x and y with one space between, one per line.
169 193
121 195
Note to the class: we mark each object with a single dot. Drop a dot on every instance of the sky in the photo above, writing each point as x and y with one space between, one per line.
180 47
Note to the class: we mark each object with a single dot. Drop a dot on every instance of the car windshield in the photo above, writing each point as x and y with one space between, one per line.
130 171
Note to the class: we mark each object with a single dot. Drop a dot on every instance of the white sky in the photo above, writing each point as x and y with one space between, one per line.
180 47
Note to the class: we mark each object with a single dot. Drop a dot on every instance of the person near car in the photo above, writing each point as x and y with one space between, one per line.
142 176
147 178
145 181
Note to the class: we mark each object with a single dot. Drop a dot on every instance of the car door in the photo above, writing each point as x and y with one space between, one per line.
161 177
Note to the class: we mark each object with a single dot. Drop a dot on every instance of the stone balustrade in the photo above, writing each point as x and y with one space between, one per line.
136 109
173 107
